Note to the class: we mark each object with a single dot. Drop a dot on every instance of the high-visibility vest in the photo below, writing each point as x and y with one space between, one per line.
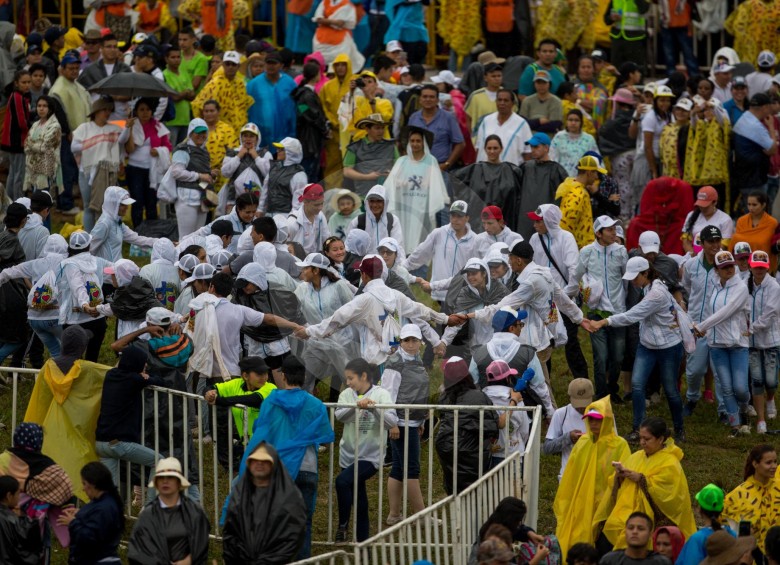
235 387
630 20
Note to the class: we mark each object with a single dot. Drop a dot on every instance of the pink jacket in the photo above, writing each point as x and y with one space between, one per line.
317 58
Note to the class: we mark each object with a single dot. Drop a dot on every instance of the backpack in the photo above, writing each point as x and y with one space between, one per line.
361 223
44 294
170 111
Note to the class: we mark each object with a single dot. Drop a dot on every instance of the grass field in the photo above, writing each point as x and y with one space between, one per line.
710 456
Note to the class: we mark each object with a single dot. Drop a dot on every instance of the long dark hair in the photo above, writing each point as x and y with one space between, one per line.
509 513
692 221
98 475
755 456
11 86
657 427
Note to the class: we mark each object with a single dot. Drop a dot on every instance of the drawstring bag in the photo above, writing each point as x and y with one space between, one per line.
43 295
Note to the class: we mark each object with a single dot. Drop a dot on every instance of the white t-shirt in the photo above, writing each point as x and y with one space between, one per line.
564 421
719 219
652 123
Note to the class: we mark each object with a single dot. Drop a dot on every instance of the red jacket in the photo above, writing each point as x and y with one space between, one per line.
16 123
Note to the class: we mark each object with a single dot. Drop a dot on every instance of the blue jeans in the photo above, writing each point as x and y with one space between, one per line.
306 481
668 361
50 333
70 176
413 462
695 369
345 485
731 369
7 349
608 345
763 365
112 453
674 40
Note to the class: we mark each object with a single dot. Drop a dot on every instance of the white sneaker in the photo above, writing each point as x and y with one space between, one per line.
761 427
393 520
744 430
771 410
751 411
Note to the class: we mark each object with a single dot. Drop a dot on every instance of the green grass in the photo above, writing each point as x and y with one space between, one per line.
710 456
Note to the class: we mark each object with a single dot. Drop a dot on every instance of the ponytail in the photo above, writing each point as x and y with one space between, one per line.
360 366
692 221
750 284
714 518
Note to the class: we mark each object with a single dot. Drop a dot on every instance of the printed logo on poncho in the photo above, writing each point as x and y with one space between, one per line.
94 293
552 316
44 298
166 294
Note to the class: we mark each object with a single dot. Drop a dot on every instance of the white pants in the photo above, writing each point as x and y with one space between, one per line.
189 218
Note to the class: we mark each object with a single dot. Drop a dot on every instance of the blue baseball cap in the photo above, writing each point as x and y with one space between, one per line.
507 317
538 139
69 59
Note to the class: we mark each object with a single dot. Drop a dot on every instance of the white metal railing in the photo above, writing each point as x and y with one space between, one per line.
438 526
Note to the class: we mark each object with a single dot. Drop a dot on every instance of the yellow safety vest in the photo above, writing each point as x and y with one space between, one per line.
630 20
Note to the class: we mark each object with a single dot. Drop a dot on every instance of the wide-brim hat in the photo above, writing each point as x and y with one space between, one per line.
101 103
371 120
169 467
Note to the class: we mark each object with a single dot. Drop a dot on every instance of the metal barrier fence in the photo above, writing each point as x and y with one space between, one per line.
442 526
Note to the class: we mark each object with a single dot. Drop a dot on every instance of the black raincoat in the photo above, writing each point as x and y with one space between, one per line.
13 294
278 301
468 440
483 184
20 539
133 301
268 530
148 543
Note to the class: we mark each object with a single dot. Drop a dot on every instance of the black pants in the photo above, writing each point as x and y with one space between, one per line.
98 330
574 356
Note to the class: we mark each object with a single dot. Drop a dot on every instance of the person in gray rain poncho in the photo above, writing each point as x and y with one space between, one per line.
321 293
378 222
475 291
162 274
42 306
285 181
270 290
244 209
245 168
133 298
110 232
265 519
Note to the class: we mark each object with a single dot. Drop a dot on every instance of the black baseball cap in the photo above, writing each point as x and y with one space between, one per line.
760 99
222 227
273 56
253 365
710 233
522 249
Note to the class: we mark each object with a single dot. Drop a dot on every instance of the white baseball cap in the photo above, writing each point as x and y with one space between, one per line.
389 243
187 263
394 45
684 104
159 316
766 59
635 266
201 272
650 242
603 222
446 77
314 260
79 240
459 207
231 57
126 201
411 330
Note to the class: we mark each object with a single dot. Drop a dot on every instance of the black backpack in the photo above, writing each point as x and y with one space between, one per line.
361 223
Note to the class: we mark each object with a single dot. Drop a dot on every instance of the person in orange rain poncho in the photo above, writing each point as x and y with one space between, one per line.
650 480
65 402
587 474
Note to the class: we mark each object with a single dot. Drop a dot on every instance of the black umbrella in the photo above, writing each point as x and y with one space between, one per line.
134 85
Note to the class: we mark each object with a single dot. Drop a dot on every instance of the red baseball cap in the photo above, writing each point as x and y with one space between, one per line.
312 192
372 266
492 213
536 215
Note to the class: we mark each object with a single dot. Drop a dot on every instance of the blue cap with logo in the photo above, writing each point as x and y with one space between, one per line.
537 139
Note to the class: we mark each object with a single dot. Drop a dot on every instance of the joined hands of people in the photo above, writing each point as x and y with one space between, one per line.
457 319
440 349
300 333
698 333
67 516
210 396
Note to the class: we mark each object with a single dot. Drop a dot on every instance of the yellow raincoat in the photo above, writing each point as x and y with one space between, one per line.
232 97
331 94
707 153
67 406
576 210
757 503
586 479
666 484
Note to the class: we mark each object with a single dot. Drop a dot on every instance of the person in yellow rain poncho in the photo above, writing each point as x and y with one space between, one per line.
217 18
570 22
229 89
587 474
367 104
707 151
652 481
65 402
756 500
331 95
754 26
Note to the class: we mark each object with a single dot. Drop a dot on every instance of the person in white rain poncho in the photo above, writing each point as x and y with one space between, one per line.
495 230
80 285
42 304
415 190
110 232
245 167
377 222
321 294
308 225
186 264
372 311
162 273
240 218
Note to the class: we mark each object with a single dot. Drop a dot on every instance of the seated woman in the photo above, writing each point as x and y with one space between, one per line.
568 146
651 481
668 541
757 227
588 471
709 502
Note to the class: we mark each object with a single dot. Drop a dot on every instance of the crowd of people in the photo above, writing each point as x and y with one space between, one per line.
296 217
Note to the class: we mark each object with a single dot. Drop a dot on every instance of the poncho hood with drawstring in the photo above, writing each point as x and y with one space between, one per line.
264 255
255 274
74 345
194 123
55 245
111 201
293 151
357 242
